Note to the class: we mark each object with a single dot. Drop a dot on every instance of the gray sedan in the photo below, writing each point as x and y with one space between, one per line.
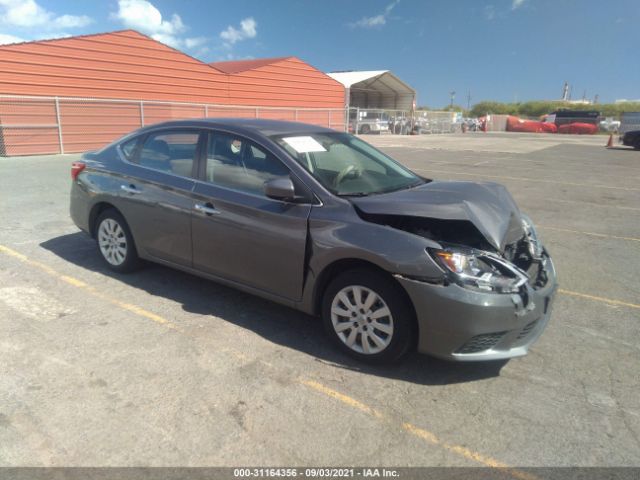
323 222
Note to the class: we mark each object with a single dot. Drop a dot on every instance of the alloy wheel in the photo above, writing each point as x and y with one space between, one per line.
362 320
112 241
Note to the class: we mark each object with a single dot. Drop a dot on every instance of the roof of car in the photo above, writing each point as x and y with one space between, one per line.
262 126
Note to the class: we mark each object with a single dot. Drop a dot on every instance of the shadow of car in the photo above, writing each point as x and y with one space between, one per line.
275 323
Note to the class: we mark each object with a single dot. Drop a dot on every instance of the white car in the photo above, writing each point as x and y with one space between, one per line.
610 125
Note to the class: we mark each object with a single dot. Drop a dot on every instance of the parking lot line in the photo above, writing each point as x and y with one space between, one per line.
418 432
88 288
593 234
410 428
595 298
527 179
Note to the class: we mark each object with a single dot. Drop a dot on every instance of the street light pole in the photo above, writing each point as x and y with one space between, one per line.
453 95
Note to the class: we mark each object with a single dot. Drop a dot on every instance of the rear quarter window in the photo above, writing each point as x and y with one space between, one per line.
129 148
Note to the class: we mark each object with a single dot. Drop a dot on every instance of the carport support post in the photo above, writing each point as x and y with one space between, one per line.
142 114
355 130
60 142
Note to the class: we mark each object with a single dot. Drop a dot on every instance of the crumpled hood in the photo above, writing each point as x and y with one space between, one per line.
489 206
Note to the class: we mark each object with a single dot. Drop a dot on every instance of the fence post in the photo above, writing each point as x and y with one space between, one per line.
141 113
355 131
60 142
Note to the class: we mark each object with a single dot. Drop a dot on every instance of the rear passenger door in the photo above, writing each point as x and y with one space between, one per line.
157 198
239 233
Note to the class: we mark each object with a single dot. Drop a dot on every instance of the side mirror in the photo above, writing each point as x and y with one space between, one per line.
280 189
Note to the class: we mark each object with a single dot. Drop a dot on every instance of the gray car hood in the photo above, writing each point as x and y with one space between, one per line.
489 206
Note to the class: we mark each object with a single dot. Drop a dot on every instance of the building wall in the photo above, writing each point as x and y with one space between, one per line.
124 65
289 82
127 65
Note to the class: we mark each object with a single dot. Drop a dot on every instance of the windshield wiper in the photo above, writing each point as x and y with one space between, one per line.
355 194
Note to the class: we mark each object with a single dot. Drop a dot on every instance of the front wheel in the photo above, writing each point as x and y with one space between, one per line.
368 316
115 242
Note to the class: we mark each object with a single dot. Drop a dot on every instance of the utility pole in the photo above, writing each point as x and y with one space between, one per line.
469 100
565 91
452 93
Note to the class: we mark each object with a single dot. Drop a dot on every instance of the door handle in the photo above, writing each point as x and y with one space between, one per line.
129 189
206 208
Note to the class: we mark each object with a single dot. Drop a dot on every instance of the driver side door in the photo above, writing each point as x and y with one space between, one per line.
239 234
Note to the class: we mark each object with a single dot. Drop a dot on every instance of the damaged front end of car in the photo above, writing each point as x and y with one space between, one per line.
494 296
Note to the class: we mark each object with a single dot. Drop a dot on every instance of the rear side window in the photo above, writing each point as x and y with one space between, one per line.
170 151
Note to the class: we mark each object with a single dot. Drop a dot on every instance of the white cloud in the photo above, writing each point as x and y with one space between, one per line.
29 14
195 42
376 20
248 29
517 4
143 15
5 38
72 21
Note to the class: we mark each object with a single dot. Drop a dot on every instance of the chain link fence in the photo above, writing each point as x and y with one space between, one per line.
432 121
402 122
629 121
49 125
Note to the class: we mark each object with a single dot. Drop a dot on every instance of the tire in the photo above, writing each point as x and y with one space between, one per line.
394 331
115 242
365 129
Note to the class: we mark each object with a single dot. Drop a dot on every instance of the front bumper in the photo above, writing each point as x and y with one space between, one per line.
459 324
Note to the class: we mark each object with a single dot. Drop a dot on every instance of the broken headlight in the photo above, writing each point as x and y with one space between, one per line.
534 243
481 271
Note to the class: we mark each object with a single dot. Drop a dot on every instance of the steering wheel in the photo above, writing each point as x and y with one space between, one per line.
348 170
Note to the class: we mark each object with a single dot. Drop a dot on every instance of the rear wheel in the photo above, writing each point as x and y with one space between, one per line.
115 242
368 316
365 129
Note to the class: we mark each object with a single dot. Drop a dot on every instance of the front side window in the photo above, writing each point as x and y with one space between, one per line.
237 163
345 165
170 151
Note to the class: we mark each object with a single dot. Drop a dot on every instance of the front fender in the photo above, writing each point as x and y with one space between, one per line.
351 238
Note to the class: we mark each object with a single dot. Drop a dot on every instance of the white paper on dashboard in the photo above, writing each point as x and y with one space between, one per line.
304 144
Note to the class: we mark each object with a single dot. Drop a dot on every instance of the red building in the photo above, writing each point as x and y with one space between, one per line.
79 93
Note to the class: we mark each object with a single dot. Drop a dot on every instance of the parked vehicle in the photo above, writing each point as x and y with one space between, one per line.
610 125
632 139
323 222
368 122
563 117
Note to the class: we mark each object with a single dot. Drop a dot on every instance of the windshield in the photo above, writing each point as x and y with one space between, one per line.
345 165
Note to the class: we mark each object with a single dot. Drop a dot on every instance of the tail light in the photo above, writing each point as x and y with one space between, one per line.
76 168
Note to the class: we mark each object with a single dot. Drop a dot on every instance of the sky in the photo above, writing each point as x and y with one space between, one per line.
502 50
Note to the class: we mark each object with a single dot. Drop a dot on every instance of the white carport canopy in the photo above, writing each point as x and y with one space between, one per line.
376 89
